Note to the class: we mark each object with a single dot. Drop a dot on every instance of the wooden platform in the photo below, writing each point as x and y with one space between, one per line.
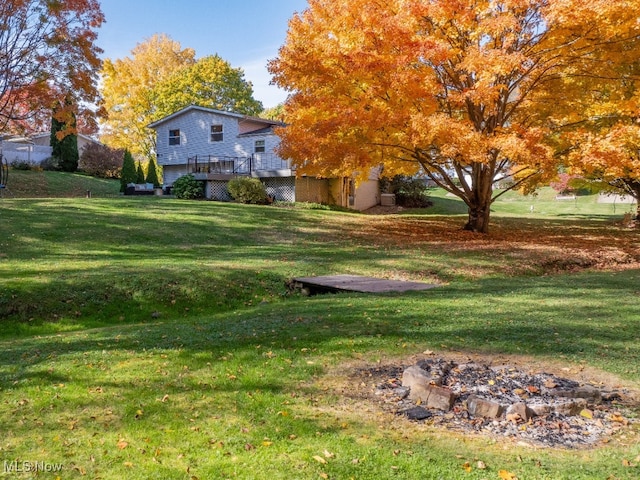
356 283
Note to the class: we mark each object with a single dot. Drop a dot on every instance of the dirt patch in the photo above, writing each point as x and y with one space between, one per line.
522 401
384 210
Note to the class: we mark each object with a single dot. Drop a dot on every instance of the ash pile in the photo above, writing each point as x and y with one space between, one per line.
503 401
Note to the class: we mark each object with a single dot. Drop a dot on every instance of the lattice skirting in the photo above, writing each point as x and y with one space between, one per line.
282 189
217 190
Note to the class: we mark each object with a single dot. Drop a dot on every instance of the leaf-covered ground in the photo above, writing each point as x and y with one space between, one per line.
520 247
154 338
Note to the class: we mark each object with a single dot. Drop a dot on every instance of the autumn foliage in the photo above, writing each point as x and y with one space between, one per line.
469 92
47 54
160 78
98 160
611 157
127 88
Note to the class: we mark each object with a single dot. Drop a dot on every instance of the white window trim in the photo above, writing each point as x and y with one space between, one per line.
221 133
177 139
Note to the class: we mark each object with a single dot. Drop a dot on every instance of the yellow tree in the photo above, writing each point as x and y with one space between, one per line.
128 86
468 91
210 82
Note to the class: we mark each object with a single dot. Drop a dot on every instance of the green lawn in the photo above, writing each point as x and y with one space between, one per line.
46 184
542 204
155 338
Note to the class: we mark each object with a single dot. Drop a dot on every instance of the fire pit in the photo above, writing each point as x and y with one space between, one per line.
536 408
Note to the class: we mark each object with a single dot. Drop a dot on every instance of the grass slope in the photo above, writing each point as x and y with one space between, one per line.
46 184
154 338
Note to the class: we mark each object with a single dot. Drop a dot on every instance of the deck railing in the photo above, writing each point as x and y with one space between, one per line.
268 161
223 165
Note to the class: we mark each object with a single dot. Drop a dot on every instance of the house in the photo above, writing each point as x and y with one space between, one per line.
16 149
44 138
216 146
34 149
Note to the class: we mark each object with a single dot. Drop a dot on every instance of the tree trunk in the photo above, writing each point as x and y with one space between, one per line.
633 187
479 198
478 220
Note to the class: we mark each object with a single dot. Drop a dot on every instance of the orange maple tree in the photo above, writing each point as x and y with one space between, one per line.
47 54
611 158
468 92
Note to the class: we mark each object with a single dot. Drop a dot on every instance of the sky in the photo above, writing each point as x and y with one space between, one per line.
245 33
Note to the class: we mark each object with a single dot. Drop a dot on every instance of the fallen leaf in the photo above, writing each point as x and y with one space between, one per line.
481 465
328 454
319 459
79 469
467 467
506 475
324 475
616 417
586 413
165 398
122 444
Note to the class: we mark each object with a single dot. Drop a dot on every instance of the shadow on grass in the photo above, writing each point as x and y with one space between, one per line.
442 206
247 376
593 317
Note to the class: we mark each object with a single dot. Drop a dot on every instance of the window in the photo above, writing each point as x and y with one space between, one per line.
174 137
216 133
259 146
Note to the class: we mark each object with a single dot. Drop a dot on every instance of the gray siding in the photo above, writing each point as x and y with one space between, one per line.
195 128
170 173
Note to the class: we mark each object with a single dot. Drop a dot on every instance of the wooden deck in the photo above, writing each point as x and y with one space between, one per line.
356 283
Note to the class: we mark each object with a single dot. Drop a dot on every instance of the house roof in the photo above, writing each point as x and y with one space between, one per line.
260 131
14 139
268 123
86 138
